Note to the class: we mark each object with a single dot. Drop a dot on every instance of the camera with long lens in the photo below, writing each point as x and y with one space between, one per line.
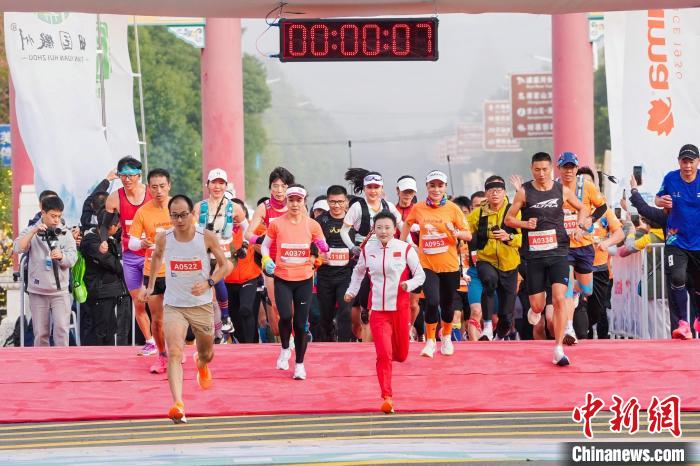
51 233
210 226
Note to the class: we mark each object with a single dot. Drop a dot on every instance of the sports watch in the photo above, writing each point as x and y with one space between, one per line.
211 282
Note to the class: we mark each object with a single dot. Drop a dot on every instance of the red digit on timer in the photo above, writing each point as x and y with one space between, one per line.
301 28
429 36
366 50
394 34
324 51
355 40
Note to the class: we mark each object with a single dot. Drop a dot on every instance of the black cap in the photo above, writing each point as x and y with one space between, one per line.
688 151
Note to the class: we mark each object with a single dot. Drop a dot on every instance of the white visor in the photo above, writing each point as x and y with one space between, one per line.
407 184
296 191
436 175
373 178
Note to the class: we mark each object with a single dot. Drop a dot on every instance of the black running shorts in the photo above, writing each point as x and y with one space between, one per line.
545 270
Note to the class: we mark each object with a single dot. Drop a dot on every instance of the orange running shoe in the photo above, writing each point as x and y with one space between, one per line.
177 413
204 378
387 406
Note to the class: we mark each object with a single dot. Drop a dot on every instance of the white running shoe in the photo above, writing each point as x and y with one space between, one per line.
533 317
560 358
570 337
429 348
299 372
487 334
283 359
291 343
446 347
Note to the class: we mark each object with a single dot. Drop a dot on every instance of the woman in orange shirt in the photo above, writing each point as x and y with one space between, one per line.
441 223
292 235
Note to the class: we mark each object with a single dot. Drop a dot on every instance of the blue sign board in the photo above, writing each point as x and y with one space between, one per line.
5 146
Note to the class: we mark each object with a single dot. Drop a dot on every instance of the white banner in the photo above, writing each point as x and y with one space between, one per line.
653 77
52 60
122 137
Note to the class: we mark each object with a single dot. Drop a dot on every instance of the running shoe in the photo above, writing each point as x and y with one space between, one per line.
570 337
226 325
486 334
204 378
682 332
429 349
533 317
446 346
161 366
696 326
148 349
299 371
283 359
387 406
560 358
177 413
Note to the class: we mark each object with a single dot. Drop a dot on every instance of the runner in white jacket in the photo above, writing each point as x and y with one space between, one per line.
394 270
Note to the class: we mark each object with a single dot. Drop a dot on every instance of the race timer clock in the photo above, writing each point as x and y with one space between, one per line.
385 39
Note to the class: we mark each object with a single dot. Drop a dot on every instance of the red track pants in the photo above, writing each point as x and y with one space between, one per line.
391 336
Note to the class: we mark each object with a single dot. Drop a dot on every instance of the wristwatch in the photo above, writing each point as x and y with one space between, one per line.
211 282
510 237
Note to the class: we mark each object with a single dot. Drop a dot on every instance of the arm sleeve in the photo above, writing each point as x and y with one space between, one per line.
345 236
645 210
358 274
416 269
269 238
134 243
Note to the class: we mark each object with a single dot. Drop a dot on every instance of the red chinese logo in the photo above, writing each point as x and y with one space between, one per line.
587 412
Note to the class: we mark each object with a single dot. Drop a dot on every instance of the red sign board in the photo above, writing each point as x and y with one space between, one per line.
531 101
497 127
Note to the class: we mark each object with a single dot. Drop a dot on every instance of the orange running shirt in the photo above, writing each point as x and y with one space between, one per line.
600 233
592 198
437 248
245 269
148 221
293 243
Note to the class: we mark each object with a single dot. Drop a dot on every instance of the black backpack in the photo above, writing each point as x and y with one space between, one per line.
365 219
482 234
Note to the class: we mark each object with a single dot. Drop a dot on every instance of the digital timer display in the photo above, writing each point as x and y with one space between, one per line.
385 39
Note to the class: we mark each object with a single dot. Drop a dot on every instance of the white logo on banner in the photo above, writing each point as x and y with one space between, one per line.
652 79
52 60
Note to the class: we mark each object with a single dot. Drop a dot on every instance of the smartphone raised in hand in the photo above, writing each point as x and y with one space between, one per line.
637 173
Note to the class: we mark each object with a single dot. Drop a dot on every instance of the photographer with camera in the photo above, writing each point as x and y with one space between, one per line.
50 254
105 285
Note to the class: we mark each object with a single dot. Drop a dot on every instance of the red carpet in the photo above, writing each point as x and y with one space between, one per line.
65 384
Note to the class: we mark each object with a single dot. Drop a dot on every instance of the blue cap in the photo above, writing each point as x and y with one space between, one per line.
567 158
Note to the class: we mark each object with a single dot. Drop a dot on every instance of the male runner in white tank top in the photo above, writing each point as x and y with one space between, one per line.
188 294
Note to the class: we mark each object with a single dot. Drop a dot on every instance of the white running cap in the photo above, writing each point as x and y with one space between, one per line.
296 191
436 175
321 204
217 174
407 184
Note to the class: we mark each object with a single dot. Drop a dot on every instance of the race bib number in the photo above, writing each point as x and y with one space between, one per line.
338 257
570 223
127 227
434 243
187 271
542 240
291 253
475 256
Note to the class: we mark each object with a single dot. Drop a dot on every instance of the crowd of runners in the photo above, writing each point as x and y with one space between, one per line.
354 266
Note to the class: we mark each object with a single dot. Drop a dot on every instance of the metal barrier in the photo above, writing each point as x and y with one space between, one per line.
639 298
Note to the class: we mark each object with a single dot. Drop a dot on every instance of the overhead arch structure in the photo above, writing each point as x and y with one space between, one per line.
329 8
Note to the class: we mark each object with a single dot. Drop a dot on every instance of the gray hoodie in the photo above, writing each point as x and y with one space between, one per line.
40 276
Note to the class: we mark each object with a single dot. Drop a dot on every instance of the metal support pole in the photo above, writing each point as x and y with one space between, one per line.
350 153
449 170
101 64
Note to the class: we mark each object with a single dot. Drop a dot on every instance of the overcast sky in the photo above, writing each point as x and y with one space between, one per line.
392 99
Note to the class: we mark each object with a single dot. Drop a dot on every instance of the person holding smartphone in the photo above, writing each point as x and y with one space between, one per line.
497 256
